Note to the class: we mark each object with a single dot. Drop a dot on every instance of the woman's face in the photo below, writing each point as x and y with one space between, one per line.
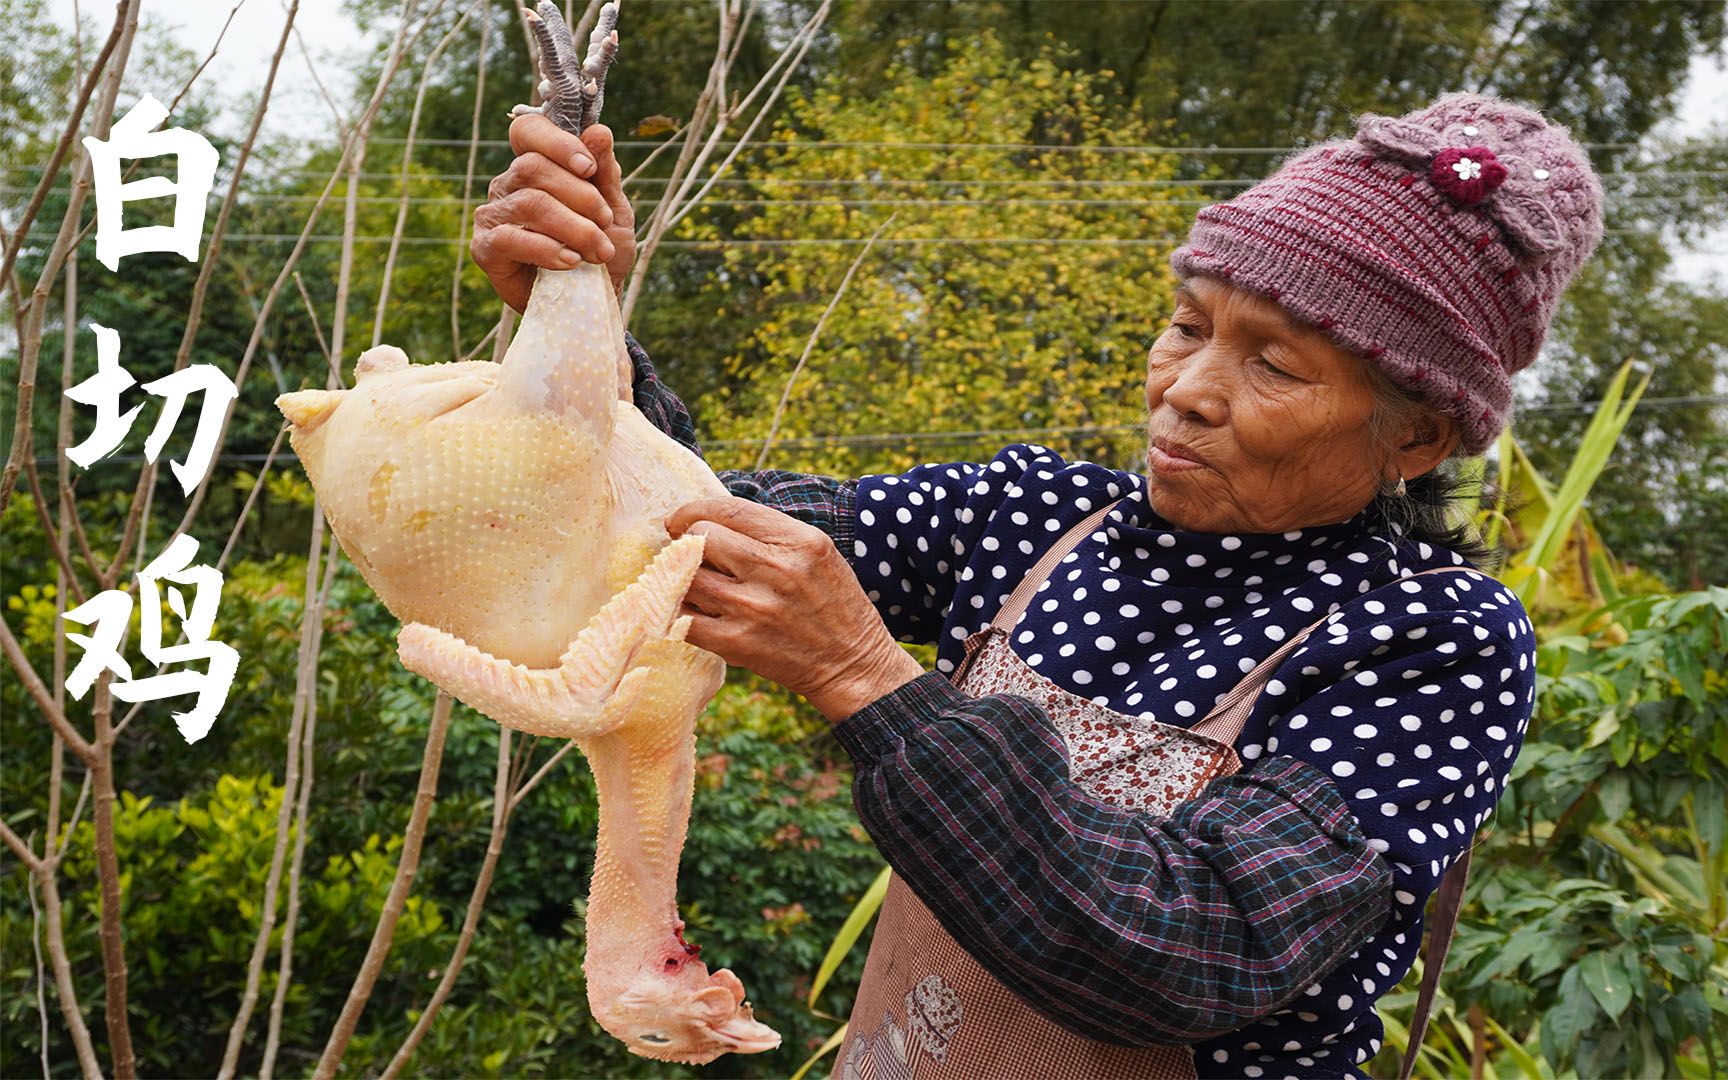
1258 423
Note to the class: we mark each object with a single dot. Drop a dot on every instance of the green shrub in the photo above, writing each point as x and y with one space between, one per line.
1594 935
192 881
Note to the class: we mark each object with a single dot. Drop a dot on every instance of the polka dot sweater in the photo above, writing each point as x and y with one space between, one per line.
1376 751
1412 698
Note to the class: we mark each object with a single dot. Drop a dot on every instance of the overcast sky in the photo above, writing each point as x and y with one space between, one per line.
296 109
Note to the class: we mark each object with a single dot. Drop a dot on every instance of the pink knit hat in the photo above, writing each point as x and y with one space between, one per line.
1434 244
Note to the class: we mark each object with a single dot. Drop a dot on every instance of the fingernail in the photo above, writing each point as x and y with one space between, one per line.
569 257
607 252
581 163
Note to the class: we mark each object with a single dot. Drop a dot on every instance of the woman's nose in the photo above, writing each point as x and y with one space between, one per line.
1198 389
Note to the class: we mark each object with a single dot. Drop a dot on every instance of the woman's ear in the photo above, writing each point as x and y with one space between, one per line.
1432 440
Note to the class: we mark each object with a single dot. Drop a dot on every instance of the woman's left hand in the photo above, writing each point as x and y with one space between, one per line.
774 595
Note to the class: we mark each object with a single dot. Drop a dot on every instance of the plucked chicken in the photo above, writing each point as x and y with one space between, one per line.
511 516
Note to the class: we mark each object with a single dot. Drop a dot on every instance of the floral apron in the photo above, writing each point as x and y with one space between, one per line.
926 1008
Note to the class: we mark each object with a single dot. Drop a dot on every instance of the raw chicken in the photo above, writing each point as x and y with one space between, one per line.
511 516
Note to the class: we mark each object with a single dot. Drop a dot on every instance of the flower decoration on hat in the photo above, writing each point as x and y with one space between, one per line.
1467 175
1504 160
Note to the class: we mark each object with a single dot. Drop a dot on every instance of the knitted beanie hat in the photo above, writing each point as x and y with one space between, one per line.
1434 244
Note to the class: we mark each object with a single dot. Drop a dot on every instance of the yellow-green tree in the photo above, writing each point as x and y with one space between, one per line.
1016 288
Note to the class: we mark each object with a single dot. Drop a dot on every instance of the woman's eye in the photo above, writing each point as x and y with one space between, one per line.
1187 330
1274 368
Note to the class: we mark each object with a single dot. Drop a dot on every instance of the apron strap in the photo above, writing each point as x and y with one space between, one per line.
1448 899
1021 598
1224 724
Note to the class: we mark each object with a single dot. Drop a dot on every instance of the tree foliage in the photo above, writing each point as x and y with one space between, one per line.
1014 289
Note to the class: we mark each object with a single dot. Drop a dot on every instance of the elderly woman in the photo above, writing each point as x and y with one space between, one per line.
1202 741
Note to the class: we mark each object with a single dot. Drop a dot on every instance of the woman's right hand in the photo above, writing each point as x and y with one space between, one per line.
560 203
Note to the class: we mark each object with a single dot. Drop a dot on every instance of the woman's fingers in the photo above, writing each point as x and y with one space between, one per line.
609 180
541 212
536 170
609 176
533 133
764 525
504 244
726 550
774 595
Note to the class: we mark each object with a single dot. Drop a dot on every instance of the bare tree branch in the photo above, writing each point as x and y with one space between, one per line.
251 498
56 543
317 331
468 191
68 138
108 880
426 69
786 392
678 199
41 974
32 862
30 342
324 91
305 689
481 344
501 807
806 36
44 700
311 624
406 866
540 774
81 1044
212 252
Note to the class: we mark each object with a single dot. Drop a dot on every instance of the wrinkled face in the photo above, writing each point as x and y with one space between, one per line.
685 1015
1258 423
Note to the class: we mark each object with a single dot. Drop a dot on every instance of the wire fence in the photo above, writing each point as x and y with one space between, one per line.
995 435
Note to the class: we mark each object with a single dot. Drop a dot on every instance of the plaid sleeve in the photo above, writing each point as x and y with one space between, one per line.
821 501
1119 926
655 400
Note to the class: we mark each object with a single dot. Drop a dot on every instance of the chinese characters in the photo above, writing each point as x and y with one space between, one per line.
109 614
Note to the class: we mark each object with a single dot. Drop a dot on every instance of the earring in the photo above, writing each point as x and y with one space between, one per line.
1400 490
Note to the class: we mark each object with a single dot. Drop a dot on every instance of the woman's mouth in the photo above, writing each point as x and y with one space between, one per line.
1168 456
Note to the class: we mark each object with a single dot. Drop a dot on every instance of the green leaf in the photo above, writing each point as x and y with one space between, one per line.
1607 983
1615 795
1623 745
1604 728
861 915
1569 1019
1524 1059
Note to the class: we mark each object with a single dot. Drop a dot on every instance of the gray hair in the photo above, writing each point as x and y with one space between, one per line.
1437 507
